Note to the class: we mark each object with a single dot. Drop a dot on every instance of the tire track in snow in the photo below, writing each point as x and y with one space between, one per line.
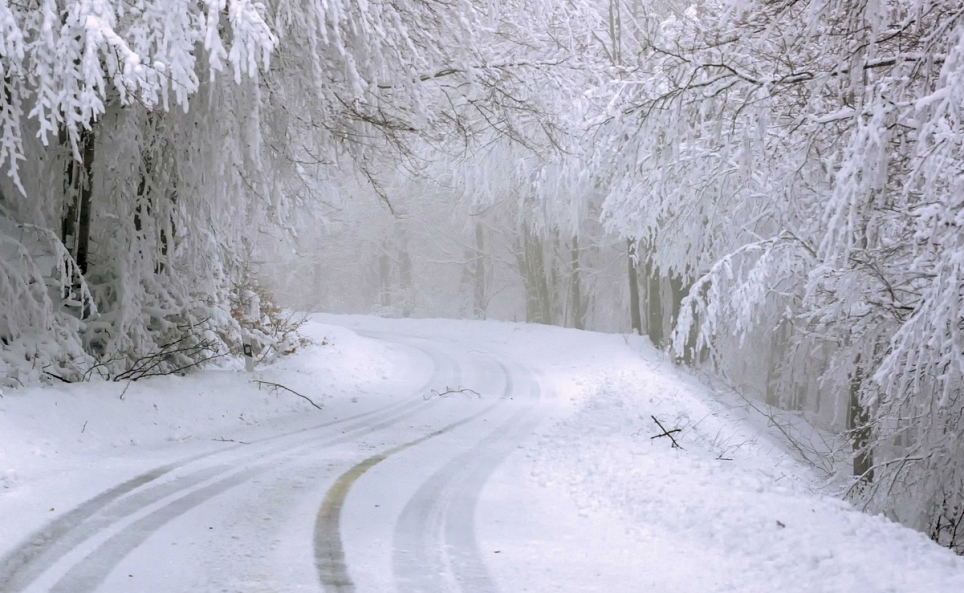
22 564
40 552
437 511
436 549
328 546
87 574
329 551
93 570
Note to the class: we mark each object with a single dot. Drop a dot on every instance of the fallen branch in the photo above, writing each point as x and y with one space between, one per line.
89 372
224 440
173 357
807 451
666 433
280 386
448 390
56 376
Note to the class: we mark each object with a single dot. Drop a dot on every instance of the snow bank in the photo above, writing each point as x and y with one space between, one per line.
734 507
734 510
50 435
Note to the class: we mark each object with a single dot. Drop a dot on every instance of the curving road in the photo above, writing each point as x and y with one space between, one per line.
380 501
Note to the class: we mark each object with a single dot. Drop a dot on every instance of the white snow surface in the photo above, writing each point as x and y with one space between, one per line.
536 473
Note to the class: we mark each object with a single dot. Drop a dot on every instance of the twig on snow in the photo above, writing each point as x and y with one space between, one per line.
449 390
666 433
56 376
280 386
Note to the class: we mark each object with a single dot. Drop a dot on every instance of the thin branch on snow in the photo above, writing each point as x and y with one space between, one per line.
276 386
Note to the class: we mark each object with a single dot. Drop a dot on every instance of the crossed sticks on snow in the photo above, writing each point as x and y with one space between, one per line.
666 433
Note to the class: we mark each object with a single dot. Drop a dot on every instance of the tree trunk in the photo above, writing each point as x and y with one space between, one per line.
405 276
691 357
86 184
153 212
635 320
858 423
654 305
532 268
384 278
68 223
576 306
778 342
77 191
169 233
479 293
677 293
542 277
524 274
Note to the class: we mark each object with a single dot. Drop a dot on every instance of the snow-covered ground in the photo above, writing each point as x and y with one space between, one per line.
537 472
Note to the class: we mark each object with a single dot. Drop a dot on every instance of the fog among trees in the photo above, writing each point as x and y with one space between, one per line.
772 191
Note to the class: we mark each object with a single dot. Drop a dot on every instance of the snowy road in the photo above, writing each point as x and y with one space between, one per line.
447 457
312 496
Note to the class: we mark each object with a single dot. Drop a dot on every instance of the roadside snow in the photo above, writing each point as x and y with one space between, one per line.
733 510
592 503
53 439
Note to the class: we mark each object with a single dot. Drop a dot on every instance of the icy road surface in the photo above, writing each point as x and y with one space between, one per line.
447 457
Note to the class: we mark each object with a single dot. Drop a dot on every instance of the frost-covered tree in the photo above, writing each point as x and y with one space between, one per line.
146 142
106 168
797 161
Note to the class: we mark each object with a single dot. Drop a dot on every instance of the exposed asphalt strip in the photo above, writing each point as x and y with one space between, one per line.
41 550
329 551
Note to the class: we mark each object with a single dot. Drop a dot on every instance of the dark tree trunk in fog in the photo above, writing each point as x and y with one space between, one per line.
405 276
521 260
384 278
677 292
654 305
479 293
86 185
577 307
858 423
545 298
690 356
634 317
533 270
77 191
154 211
68 223
778 347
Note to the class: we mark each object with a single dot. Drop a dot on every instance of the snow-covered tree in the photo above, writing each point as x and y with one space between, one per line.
796 162
147 142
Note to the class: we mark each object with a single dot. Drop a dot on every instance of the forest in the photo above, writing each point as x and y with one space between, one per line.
771 190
